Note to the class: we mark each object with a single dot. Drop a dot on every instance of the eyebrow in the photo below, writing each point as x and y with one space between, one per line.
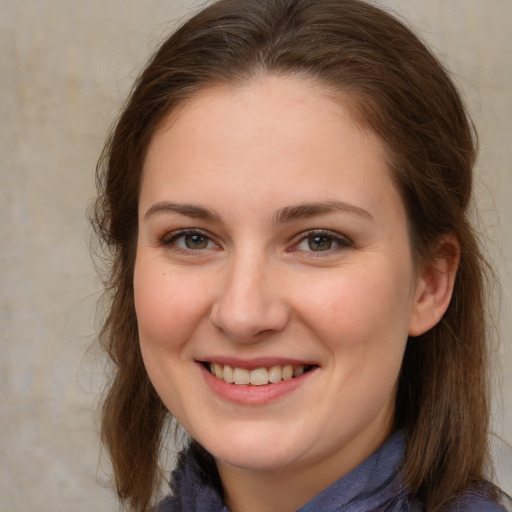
281 216
189 210
304 210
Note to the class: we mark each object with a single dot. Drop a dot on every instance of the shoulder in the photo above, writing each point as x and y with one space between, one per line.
505 501
476 502
167 505
193 484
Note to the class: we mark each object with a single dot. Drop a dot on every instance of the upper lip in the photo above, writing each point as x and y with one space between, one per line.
254 363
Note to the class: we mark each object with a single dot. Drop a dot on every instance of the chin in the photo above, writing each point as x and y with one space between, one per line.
256 453
254 460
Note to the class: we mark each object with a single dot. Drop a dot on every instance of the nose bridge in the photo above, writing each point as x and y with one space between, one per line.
249 302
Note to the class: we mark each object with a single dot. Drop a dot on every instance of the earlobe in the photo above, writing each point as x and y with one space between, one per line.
434 286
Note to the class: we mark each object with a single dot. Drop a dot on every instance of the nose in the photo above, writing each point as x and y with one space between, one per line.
250 303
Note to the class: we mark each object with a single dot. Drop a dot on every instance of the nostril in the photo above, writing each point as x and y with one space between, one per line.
245 323
249 304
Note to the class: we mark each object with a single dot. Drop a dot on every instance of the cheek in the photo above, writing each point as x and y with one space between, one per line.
169 305
363 321
357 300
361 315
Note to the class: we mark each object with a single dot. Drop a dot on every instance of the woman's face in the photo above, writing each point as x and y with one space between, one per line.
272 242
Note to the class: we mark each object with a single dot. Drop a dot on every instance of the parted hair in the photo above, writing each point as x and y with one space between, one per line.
393 86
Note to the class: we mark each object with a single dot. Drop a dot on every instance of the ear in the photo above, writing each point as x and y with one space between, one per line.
434 286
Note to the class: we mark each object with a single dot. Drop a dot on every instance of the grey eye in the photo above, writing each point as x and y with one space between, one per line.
319 243
192 241
322 241
316 243
196 241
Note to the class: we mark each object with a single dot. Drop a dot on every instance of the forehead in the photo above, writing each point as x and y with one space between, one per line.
271 136
293 91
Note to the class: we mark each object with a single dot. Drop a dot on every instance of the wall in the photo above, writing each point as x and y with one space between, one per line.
65 68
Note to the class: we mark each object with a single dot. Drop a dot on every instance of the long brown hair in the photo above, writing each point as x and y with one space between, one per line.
397 88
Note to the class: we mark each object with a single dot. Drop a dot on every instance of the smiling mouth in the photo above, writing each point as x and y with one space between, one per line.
258 376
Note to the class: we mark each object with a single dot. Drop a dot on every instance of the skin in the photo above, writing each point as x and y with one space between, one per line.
250 286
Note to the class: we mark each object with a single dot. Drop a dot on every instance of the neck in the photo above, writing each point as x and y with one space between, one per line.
264 492
287 489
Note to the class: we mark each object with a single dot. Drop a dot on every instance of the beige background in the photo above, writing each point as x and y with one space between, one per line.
66 65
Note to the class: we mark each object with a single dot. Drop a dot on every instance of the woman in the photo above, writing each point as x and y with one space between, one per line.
294 277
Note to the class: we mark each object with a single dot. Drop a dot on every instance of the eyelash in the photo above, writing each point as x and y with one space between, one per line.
170 239
341 242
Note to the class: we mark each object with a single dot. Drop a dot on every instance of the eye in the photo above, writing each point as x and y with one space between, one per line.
316 243
190 240
321 241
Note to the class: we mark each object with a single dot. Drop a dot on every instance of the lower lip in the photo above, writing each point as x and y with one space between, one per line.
253 395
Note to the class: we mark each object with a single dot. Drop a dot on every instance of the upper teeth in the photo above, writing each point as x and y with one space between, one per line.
257 377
